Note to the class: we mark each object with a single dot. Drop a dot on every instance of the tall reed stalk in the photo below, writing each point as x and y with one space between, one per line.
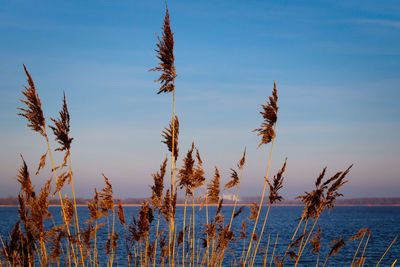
267 132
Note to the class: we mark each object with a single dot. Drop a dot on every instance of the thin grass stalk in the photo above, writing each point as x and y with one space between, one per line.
172 221
273 251
393 263
198 252
327 257
266 252
76 211
259 239
205 195
295 232
365 246
316 265
189 241
95 246
59 194
308 237
127 248
173 247
236 199
302 239
112 234
155 246
262 199
140 251
183 230
355 254
244 247
193 233
386 251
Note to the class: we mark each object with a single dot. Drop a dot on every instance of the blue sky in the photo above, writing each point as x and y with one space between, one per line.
336 63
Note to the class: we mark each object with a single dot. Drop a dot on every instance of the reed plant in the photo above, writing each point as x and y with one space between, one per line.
152 237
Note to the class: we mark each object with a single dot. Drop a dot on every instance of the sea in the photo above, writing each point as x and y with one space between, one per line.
343 222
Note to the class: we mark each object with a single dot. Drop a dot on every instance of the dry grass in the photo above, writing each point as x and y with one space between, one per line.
31 243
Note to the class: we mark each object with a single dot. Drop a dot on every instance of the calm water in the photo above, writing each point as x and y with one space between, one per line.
384 223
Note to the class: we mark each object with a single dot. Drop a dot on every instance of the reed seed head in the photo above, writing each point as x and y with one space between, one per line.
270 116
185 174
61 128
167 133
360 234
337 245
121 213
24 179
213 188
158 187
316 241
33 111
165 53
253 211
276 185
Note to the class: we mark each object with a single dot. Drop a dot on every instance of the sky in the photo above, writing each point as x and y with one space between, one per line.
336 65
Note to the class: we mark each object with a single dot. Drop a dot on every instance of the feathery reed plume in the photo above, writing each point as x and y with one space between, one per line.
270 115
316 241
61 128
157 188
242 231
332 192
234 181
57 234
165 51
34 112
121 213
39 208
185 174
93 207
62 178
337 245
316 201
242 161
106 197
238 212
253 211
276 185
198 172
87 234
145 219
25 181
42 163
292 253
111 243
360 234
213 188
163 248
180 236
69 209
224 237
12 250
167 133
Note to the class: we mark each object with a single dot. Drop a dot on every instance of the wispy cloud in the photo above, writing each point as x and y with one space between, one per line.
380 22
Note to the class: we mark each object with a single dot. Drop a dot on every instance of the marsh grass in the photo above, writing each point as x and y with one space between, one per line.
76 244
